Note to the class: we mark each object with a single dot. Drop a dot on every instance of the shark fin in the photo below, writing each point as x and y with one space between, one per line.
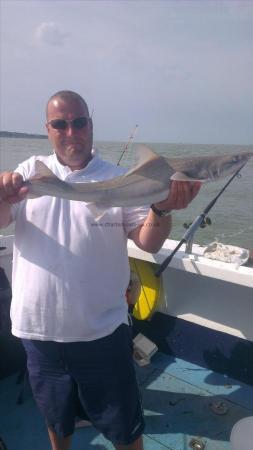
144 155
42 170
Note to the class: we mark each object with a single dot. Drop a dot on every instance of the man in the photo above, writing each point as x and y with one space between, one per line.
69 283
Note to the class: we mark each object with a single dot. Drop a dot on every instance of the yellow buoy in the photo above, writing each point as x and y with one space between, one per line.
144 289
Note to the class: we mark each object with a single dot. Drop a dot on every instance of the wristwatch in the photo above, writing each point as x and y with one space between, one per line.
160 212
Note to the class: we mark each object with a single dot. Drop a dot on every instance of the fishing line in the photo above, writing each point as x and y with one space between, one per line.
237 233
130 140
195 225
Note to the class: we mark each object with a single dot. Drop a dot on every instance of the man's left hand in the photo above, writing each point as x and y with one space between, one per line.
180 195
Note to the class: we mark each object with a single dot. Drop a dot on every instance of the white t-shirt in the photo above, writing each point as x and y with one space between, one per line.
70 273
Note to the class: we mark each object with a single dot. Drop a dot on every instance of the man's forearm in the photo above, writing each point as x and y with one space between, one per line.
151 235
156 228
5 214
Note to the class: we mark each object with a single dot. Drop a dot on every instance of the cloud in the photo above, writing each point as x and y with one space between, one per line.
51 33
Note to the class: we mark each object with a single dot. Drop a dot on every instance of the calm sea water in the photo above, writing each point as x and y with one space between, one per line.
231 217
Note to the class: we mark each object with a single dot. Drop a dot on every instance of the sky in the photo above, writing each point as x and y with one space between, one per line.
181 70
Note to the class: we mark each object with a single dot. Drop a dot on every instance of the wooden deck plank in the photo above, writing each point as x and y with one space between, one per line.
176 401
213 382
173 417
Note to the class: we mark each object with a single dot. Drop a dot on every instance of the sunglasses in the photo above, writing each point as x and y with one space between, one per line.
62 124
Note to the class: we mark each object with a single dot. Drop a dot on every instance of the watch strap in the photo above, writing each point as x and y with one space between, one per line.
160 212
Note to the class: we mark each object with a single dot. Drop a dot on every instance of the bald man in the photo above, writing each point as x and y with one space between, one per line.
69 283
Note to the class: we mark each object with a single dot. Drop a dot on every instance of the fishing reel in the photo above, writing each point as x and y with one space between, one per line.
206 221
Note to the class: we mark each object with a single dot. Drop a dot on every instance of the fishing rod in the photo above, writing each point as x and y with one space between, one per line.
194 226
132 135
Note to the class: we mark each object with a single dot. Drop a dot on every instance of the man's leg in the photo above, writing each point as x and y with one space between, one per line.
136 445
61 443
53 389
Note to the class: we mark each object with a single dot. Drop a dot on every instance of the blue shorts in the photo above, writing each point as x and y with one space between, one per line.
96 376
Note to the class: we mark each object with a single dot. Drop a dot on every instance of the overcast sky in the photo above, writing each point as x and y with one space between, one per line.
182 70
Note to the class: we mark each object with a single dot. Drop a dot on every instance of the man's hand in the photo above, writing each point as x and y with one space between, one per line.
180 195
12 189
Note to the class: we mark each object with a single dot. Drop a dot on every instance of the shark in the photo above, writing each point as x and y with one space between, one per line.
207 168
146 183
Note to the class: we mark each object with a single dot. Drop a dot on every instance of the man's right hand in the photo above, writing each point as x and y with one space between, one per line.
12 189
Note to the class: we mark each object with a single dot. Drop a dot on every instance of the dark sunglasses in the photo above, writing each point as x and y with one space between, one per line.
62 124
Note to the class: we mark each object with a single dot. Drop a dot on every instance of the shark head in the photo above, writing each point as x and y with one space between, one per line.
230 164
208 168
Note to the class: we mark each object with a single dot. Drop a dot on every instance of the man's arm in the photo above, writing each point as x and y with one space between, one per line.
11 191
151 235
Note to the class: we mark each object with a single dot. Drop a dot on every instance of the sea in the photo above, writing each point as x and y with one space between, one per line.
231 217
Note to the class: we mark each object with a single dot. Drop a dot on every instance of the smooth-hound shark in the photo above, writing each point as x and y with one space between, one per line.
146 183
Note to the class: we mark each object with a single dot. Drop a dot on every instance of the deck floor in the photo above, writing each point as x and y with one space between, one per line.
180 400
